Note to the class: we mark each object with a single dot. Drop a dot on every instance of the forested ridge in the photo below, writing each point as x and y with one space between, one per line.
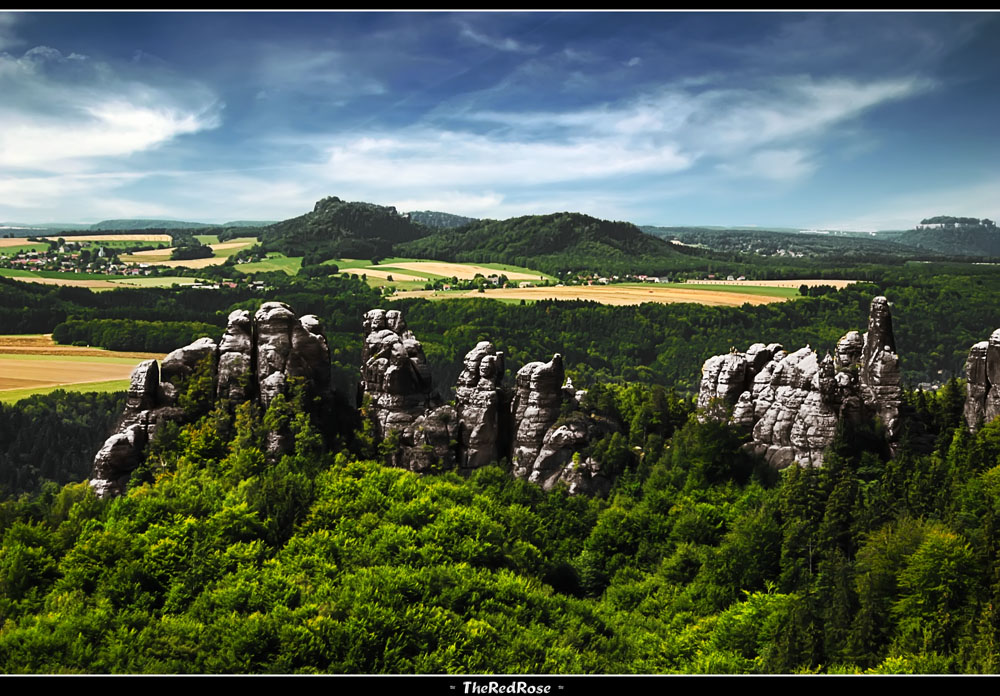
701 560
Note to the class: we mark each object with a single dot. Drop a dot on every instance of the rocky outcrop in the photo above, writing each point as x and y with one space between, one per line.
482 407
791 403
880 379
537 402
487 423
236 352
397 379
982 374
256 359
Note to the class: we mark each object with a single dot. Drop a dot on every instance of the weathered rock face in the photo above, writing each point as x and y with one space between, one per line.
396 376
792 403
236 358
487 424
982 372
537 401
394 372
559 459
481 401
880 379
241 366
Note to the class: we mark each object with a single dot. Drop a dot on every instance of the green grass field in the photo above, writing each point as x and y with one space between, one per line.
207 238
22 273
10 396
14 250
154 281
742 289
275 261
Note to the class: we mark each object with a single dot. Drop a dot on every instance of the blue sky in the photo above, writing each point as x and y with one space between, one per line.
825 120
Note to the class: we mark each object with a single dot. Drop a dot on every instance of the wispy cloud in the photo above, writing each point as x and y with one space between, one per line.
290 69
8 39
68 112
506 43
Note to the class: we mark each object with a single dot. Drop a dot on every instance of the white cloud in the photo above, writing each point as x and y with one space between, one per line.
505 44
64 113
107 130
769 134
633 62
450 158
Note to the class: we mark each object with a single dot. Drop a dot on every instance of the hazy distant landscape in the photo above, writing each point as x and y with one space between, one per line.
499 343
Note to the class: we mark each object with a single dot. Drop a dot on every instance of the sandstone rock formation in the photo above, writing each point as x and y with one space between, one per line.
482 408
255 359
792 402
982 372
487 423
536 405
397 378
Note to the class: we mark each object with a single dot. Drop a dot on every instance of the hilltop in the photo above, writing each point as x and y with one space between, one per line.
552 243
337 229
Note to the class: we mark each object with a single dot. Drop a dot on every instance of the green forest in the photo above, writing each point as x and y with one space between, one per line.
700 560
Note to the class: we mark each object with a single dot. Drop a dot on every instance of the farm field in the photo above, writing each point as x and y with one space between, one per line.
839 284
22 241
94 281
408 269
161 257
274 261
464 271
34 364
623 294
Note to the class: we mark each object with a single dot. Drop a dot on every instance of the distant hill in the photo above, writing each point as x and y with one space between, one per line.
553 243
842 247
954 236
248 223
338 229
24 229
142 224
438 220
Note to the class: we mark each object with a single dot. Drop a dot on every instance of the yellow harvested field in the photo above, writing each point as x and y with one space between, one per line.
611 295
71 282
161 257
379 273
114 237
462 271
14 241
155 252
839 284
28 374
42 344
34 361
